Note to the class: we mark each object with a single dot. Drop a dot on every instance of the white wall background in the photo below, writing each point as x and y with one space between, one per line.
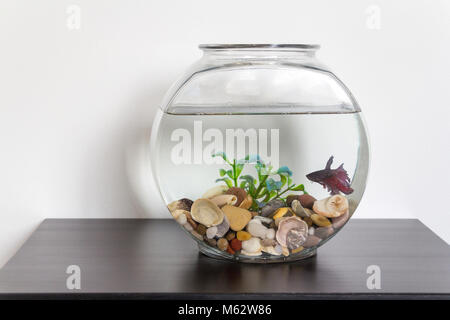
76 105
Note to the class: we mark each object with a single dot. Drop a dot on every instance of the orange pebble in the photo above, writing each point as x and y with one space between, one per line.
236 244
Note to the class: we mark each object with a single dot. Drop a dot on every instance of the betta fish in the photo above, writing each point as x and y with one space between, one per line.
334 180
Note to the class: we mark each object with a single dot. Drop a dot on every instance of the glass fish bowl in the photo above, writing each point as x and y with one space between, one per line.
260 152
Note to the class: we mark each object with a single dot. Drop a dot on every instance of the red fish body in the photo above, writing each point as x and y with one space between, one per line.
335 180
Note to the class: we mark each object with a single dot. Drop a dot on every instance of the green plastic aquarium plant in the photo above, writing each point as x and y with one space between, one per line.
270 184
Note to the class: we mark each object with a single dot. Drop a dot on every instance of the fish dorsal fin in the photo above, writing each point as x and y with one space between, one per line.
330 161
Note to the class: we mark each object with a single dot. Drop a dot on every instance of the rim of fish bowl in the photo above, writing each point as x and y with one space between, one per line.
268 46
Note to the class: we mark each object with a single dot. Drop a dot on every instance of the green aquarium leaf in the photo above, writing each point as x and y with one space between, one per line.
299 187
221 154
283 180
239 168
266 195
227 181
270 196
264 186
248 178
250 182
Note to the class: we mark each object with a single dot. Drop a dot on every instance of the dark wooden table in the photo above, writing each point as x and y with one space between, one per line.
138 258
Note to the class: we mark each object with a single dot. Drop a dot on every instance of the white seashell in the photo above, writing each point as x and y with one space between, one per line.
263 219
286 225
252 245
211 232
173 206
183 204
182 219
224 199
178 212
256 228
271 250
206 212
311 231
215 191
270 234
331 207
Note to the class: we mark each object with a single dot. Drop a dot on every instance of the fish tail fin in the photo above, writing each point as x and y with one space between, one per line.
347 190
329 162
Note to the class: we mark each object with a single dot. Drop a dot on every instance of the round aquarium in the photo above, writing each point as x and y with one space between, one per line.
260 152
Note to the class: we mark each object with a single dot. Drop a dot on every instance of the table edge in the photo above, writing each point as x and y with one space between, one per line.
226 296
